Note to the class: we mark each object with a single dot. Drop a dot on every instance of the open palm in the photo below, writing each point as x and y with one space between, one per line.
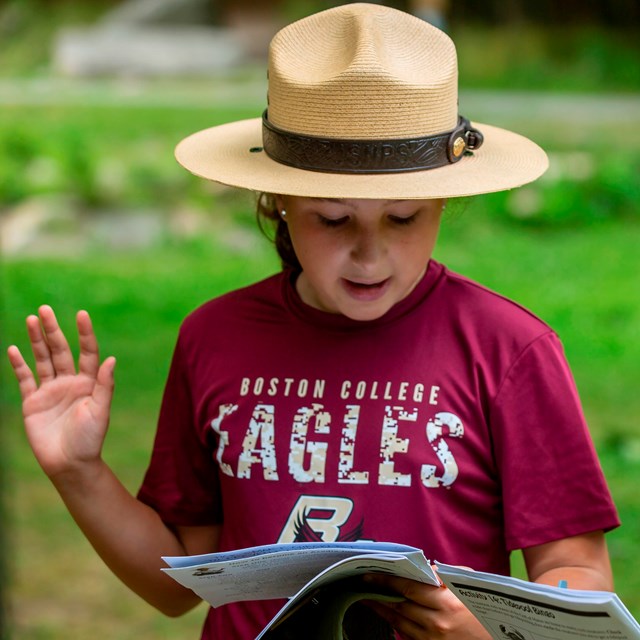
66 412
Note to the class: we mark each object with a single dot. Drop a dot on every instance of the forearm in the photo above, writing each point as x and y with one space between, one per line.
582 561
128 535
576 577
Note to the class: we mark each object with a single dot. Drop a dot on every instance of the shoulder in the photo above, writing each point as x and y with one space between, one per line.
514 349
485 324
248 303
487 309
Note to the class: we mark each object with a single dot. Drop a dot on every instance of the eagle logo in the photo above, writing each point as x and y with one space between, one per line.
304 532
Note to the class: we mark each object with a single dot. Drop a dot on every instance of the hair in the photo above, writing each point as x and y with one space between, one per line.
267 214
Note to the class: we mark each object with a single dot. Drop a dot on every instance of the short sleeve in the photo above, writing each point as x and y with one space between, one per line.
182 482
553 485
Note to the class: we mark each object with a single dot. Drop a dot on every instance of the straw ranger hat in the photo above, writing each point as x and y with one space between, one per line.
362 103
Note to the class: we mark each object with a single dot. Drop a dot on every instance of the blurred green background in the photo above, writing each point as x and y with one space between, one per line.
96 214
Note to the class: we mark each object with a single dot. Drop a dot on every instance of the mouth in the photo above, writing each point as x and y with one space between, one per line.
366 291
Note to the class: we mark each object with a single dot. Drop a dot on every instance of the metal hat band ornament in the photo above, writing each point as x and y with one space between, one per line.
334 155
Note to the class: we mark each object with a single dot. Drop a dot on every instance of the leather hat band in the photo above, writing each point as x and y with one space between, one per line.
334 155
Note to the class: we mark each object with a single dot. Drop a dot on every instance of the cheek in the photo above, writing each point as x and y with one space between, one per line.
417 246
320 258
314 247
311 248
412 255
424 242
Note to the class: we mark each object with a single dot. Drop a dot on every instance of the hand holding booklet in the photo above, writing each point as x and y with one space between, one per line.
322 582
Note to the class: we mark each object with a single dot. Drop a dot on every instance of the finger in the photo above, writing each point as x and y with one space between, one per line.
26 380
61 356
40 348
105 382
427 595
89 361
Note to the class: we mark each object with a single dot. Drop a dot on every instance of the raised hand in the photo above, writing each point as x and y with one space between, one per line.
66 413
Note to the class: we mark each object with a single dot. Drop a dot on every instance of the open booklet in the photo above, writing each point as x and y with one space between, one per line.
322 581
513 609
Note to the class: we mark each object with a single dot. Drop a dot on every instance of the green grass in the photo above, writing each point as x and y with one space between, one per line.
137 301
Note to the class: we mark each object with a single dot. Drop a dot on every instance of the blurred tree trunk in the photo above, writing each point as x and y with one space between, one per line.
512 11
433 11
255 23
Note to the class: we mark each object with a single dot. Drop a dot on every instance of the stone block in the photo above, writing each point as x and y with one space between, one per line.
146 51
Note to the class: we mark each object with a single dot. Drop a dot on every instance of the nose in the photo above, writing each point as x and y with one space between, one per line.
368 246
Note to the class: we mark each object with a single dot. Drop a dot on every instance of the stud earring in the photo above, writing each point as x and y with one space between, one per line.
283 213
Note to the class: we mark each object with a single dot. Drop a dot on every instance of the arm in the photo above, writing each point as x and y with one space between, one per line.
130 537
583 561
66 416
434 612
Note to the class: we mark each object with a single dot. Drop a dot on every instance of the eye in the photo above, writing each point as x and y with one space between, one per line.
403 220
332 222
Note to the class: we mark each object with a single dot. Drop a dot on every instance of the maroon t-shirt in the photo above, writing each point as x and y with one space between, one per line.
452 423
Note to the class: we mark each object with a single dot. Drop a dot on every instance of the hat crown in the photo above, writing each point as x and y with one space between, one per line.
363 71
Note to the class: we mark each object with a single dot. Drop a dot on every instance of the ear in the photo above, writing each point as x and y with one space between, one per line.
279 200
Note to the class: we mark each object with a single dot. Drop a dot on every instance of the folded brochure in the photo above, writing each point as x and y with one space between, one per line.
509 608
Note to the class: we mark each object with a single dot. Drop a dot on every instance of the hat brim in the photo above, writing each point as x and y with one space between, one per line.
232 155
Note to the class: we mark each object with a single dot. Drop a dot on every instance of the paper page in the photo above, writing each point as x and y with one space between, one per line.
512 609
361 546
277 574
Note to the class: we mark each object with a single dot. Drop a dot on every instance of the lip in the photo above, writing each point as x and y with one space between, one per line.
366 291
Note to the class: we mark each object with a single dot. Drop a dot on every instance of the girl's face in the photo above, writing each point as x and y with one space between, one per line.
360 257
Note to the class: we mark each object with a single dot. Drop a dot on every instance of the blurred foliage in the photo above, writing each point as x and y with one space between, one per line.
28 28
519 49
548 58
580 188
100 157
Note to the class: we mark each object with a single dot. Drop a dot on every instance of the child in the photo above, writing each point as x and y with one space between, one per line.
365 392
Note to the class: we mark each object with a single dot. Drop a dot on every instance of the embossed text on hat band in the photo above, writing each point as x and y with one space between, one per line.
333 155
